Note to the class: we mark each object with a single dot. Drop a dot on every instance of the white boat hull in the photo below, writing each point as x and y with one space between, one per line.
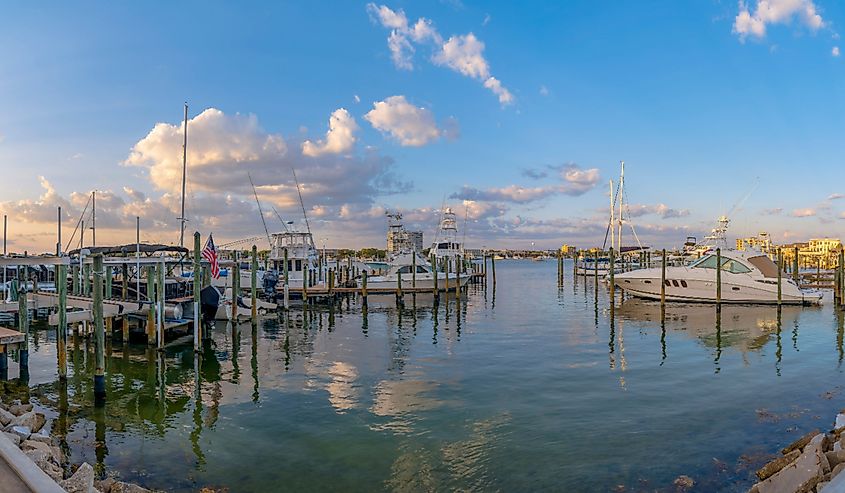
423 281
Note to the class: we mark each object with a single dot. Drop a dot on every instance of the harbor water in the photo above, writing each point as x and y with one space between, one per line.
526 387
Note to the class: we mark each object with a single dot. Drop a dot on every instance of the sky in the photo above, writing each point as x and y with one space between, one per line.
514 114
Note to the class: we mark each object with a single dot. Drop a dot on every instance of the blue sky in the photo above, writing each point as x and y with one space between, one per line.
699 100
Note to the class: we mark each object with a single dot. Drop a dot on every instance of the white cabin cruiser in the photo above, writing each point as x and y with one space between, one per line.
747 277
301 254
404 264
446 244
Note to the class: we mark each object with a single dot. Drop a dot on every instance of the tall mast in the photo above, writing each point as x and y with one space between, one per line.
302 204
94 218
612 219
621 200
184 175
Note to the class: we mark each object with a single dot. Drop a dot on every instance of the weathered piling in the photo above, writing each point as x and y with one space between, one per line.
780 277
197 290
108 286
663 278
612 275
254 283
795 267
718 276
436 276
446 281
61 329
305 285
364 287
414 270
160 292
86 280
74 274
23 322
151 314
841 270
236 286
458 278
99 331
493 268
124 282
331 281
287 282
398 287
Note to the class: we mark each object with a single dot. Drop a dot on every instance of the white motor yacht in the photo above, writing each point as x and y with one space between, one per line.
747 277
404 264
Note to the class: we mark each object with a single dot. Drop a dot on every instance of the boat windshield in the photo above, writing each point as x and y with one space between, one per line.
407 269
728 264
765 265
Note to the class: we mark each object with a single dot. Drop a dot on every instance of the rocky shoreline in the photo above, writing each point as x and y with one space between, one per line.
813 463
27 429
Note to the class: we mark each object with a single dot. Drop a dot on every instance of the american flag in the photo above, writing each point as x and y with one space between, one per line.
210 254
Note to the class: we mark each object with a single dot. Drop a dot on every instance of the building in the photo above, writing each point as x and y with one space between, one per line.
762 242
567 249
401 240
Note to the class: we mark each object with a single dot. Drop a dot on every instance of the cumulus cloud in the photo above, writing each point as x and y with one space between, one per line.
574 181
407 124
766 12
662 210
578 181
773 212
808 212
463 53
339 139
834 51
835 196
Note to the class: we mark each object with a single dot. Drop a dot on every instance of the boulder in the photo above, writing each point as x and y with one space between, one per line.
33 445
836 470
40 421
17 409
835 457
5 417
26 419
41 437
44 461
803 474
121 487
104 485
776 465
683 483
82 480
13 438
840 420
800 443
22 432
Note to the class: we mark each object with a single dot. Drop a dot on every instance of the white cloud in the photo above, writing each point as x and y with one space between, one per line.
339 139
835 196
406 123
579 181
575 181
768 12
544 91
834 51
356 98
462 53
808 212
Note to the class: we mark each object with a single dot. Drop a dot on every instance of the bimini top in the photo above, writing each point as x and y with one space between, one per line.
132 248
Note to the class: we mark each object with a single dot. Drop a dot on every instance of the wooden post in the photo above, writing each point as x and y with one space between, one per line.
151 314
287 282
99 331
458 278
108 288
447 278
305 272
493 267
795 267
780 277
364 286
236 286
398 287
414 270
23 319
124 287
86 280
436 276
841 270
718 276
160 295
331 281
254 282
663 279
197 290
61 329
74 282
612 272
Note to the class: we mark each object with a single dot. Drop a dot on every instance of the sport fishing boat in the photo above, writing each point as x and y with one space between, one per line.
446 244
746 277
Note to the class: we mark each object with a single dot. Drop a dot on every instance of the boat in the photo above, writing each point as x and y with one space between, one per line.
446 244
301 254
404 264
747 276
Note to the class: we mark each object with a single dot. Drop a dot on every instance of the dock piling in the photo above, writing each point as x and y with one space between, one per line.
611 272
254 283
236 286
718 277
780 277
663 279
197 290
23 322
99 331
61 329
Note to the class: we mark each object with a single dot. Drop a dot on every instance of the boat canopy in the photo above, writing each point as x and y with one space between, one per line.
132 248
765 265
728 264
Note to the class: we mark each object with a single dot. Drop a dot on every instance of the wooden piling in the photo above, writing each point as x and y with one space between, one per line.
305 284
414 270
151 314
611 272
446 285
124 284
796 268
86 280
23 320
331 281
61 329
99 331
160 294
780 277
364 286
663 279
718 276
236 286
458 278
436 276
254 282
398 287
74 282
493 268
197 291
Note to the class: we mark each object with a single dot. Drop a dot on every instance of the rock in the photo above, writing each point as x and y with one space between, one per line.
683 483
835 458
803 474
836 470
121 487
776 465
82 480
104 485
821 485
22 432
840 420
5 417
26 419
33 445
43 460
18 409
40 421
41 437
800 443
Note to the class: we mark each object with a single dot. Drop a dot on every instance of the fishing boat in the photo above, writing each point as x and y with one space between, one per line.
446 244
406 264
747 276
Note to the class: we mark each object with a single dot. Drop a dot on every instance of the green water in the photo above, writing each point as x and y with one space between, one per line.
533 386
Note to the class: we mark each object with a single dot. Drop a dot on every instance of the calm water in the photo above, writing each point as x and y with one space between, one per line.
530 387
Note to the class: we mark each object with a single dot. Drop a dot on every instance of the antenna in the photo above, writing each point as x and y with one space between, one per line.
284 224
184 175
261 212
302 204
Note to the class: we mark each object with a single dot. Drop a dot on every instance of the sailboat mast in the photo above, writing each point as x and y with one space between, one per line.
94 218
184 175
621 200
612 219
